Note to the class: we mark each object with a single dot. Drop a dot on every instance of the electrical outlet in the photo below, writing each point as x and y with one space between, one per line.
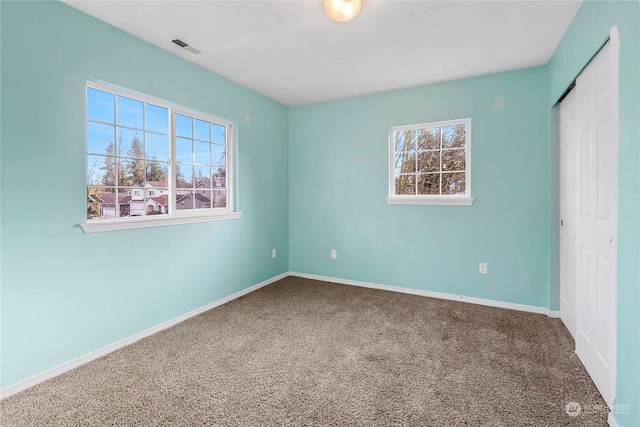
334 254
273 253
483 268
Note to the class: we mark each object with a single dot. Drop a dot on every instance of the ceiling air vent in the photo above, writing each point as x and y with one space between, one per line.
186 46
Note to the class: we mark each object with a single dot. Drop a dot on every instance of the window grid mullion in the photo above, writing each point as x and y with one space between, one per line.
116 160
144 160
173 164
440 171
193 164
416 175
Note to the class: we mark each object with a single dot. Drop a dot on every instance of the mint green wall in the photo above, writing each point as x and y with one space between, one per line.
65 293
588 31
320 186
338 157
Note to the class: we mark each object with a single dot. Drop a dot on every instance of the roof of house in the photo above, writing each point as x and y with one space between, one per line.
199 197
111 198
203 182
163 200
202 198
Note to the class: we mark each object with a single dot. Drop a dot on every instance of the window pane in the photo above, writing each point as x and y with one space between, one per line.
219 178
398 141
203 177
453 136
429 183
453 160
453 183
131 202
157 119
100 105
184 150
219 198
218 133
405 162
184 126
135 203
405 140
100 203
406 184
429 161
184 176
218 155
203 199
203 152
100 138
131 172
429 138
185 200
157 172
129 112
156 146
130 143
202 130
158 202
101 170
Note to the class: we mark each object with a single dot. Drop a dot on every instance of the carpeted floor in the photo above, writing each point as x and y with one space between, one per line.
306 353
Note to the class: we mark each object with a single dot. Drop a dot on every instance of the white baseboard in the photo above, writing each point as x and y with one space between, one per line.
431 294
30 382
554 313
612 420
36 379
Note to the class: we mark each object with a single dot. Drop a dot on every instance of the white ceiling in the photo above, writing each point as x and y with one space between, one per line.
292 52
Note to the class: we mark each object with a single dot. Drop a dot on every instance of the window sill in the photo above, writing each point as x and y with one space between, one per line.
444 201
100 225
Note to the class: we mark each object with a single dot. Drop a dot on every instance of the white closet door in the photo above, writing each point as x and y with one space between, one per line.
596 228
568 209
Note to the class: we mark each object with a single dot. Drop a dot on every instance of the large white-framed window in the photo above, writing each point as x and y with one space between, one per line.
430 163
152 163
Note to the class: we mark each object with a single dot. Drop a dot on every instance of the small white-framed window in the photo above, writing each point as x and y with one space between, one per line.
139 145
430 163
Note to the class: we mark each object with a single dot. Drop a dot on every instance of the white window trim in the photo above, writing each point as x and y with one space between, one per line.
178 217
116 224
431 200
445 200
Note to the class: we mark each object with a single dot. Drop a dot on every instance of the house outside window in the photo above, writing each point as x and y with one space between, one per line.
151 162
430 163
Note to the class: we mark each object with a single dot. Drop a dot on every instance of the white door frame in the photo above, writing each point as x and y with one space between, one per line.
614 39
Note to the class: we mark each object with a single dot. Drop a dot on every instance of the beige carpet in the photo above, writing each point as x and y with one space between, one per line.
306 353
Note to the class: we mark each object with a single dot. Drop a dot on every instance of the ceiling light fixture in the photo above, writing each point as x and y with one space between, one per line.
342 10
